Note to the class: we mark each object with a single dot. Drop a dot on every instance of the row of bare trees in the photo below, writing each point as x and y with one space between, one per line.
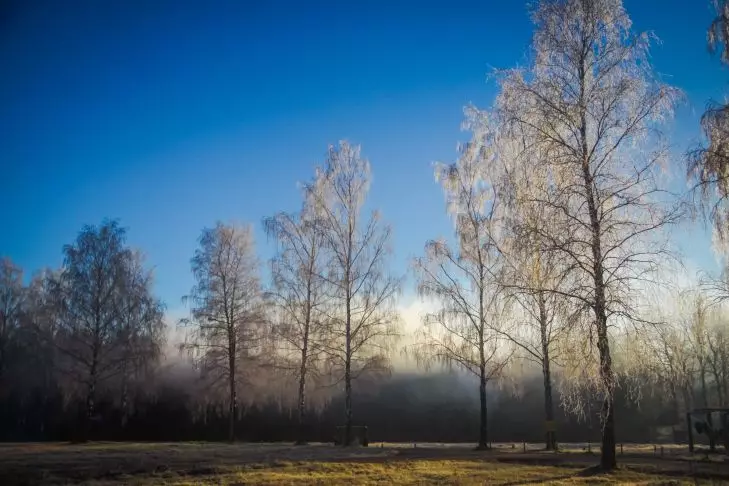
562 209
328 315
688 357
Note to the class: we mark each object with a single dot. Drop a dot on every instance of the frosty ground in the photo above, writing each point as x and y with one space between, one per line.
106 463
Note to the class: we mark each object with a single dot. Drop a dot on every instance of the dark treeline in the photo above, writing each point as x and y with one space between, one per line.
403 408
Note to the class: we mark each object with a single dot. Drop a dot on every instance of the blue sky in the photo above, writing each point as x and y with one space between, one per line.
172 115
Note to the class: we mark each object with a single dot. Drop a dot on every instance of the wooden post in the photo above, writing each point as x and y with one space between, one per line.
621 449
690 432
524 446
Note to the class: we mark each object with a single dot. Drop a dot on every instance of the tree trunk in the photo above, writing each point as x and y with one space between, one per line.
232 408
90 397
551 434
607 413
483 443
348 382
483 439
301 440
719 387
725 372
124 401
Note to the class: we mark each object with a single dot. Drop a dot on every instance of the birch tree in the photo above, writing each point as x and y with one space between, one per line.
718 360
675 365
363 323
530 277
298 290
93 332
226 320
592 104
463 278
533 276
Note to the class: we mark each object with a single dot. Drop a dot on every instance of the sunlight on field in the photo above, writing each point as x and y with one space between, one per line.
433 472
200 463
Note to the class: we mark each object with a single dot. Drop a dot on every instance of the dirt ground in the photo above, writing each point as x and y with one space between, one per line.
106 463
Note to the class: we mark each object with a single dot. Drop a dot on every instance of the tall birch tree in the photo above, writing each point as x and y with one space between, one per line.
225 327
532 274
298 290
363 323
462 278
592 104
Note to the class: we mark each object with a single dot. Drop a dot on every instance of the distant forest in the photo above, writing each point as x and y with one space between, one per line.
404 408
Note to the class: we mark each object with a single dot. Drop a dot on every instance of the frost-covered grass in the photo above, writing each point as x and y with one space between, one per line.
104 463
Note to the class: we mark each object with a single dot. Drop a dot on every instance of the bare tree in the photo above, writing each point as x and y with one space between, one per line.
530 274
298 290
674 365
141 327
698 339
362 323
41 320
591 103
93 333
534 277
718 360
463 279
11 306
227 314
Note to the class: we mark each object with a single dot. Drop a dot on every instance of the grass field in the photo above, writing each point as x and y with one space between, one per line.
106 463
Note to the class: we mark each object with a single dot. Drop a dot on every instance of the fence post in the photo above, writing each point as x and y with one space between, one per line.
690 432
621 449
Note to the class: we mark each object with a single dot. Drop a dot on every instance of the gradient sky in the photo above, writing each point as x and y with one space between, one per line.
172 115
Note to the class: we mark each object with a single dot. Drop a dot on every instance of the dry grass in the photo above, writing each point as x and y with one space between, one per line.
106 464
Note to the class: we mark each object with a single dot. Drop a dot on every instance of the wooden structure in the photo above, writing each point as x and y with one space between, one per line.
712 422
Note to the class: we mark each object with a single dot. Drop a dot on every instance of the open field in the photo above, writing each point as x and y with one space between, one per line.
104 463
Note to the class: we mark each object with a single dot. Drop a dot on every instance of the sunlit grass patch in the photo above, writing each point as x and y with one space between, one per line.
176 464
422 472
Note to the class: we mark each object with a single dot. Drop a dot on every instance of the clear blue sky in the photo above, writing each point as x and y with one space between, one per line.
170 115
